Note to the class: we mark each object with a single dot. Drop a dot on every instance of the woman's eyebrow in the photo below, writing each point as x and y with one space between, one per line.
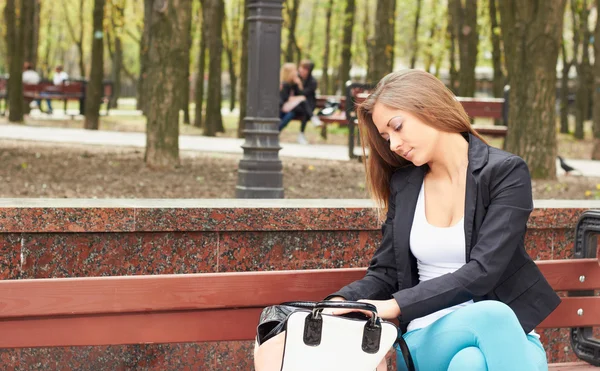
388 124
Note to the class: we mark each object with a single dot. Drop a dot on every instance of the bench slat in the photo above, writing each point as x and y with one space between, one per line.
140 328
173 326
65 296
89 295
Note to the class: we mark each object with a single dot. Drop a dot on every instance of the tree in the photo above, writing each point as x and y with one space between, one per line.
114 37
347 44
564 88
199 89
383 45
451 34
531 33
94 91
243 71
168 46
214 27
324 85
415 38
77 34
464 18
581 13
142 90
498 83
596 106
292 15
232 46
16 14
32 34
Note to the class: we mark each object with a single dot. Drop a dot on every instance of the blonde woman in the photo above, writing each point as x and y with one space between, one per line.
292 102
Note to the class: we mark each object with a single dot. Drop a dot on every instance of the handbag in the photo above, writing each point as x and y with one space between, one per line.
317 341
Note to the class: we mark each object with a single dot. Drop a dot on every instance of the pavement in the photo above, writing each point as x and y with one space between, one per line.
586 168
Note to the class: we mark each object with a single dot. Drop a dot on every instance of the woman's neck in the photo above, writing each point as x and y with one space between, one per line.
451 158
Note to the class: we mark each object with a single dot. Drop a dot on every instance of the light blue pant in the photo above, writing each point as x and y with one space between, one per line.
482 336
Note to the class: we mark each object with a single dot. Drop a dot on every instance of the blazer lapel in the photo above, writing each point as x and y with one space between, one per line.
478 157
406 203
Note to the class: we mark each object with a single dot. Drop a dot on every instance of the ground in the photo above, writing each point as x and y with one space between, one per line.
33 169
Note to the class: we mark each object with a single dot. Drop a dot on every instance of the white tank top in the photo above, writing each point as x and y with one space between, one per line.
439 250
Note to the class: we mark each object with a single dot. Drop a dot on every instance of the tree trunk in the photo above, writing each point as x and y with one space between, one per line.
15 25
93 94
168 46
230 50
564 91
596 106
311 32
185 84
345 64
532 33
383 46
243 72
498 83
117 20
32 33
79 42
324 88
432 41
214 121
583 72
415 38
466 29
293 18
142 89
451 32
199 89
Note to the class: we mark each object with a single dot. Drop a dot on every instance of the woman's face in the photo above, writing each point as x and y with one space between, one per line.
406 134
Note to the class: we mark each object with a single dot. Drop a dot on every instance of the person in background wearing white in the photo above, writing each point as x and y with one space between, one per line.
31 77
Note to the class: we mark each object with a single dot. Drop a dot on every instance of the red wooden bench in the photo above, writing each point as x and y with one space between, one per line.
69 90
226 306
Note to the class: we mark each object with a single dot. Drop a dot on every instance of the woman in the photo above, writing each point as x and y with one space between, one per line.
452 266
292 102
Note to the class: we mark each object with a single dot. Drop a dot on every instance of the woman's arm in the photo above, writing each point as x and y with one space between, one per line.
502 231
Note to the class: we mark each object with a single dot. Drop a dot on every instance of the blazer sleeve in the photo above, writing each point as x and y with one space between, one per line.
502 231
380 281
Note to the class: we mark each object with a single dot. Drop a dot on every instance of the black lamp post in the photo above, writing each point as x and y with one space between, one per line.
260 172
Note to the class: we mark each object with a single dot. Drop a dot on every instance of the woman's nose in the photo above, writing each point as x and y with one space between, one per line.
395 143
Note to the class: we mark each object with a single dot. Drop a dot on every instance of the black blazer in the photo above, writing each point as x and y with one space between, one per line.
497 206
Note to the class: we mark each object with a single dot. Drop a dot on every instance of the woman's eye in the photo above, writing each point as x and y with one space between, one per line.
397 127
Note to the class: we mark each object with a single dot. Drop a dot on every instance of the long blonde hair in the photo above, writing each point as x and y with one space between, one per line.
287 73
420 94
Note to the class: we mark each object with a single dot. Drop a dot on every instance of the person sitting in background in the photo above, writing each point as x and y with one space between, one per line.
59 75
31 77
291 101
310 87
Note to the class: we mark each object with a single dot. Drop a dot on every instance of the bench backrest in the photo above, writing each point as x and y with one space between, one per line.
219 306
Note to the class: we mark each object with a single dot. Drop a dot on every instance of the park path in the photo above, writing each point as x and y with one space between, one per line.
206 144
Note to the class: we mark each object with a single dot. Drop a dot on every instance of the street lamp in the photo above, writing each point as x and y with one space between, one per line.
260 172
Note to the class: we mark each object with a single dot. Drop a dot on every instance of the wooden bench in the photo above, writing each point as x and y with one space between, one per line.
69 90
225 306
493 108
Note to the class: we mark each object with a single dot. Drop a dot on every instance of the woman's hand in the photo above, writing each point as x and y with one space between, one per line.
386 309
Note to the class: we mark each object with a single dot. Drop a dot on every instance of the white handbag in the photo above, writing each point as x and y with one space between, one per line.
321 342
